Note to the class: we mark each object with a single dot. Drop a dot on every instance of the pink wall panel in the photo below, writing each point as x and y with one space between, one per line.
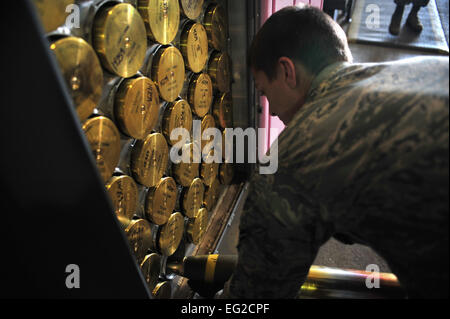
280 4
317 3
268 7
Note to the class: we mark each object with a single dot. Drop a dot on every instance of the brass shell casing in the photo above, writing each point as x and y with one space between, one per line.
209 170
168 72
104 140
136 107
212 195
124 196
193 198
119 37
200 94
81 71
219 69
52 12
162 19
170 234
223 110
163 290
226 173
139 236
151 268
185 173
191 9
149 159
197 226
216 25
194 46
207 122
177 115
161 200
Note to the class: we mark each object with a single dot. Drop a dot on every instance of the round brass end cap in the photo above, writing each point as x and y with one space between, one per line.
219 69
177 115
194 46
197 226
200 94
139 236
137 107
151 269
149 159
209 169
82 73
104 140
161 200
212 195
162 19
193 198
191 9
123 192
171 234
185 173
207 122
216 25
120 39
168 72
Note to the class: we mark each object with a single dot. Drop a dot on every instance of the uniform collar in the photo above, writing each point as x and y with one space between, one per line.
326 74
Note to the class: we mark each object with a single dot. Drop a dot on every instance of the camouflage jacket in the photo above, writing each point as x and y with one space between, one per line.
366 156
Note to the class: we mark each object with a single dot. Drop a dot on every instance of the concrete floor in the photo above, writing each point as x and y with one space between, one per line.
333 253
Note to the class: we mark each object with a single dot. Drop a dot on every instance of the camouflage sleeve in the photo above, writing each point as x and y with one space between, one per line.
280 234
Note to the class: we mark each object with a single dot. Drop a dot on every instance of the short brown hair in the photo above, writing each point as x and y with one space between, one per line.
303 34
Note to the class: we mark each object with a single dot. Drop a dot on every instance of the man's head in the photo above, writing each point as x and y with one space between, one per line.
292 47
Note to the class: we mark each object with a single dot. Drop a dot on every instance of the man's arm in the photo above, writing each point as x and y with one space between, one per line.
280 234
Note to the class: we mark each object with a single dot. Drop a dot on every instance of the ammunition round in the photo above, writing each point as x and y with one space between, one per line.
200 93
104 140
171 234
219 69
81 71
197 226
139 236
137 107
194 46
185 173
191 9
160 201
216 25
123 192
149 159
151 268
119 37
177 115
192 198
168 71
161 17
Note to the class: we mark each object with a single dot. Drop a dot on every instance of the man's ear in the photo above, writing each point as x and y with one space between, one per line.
289 71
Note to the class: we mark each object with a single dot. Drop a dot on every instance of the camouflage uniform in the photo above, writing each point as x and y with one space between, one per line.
367 157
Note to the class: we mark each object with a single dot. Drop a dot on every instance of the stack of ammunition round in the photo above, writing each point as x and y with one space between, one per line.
136 70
